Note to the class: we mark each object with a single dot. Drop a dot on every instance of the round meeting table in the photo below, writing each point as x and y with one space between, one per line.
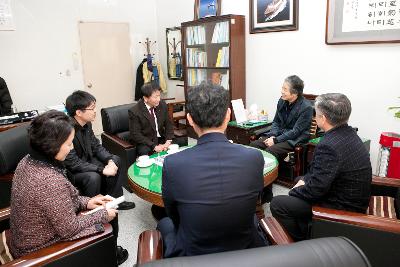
146 182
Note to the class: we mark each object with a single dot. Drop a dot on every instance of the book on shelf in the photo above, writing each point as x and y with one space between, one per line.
196 57
221 32
195 35
223 57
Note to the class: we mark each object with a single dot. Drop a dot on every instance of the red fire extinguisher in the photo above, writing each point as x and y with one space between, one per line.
389 155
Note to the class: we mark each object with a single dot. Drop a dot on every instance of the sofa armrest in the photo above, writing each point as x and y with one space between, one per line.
359 219
7 177
384 181
150 247
117 140
5 214
67 248
275 232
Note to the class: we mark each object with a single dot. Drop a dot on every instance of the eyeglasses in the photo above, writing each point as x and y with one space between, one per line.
89 109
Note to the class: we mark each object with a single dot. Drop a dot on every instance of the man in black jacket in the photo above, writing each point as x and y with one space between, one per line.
340 174
92 169
5 99
150 128
291 124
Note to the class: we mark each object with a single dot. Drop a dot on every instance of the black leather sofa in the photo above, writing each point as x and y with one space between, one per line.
115 137
327 252
14 145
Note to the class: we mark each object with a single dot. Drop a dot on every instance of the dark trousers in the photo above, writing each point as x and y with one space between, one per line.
92 183
294 214
279 151
168 232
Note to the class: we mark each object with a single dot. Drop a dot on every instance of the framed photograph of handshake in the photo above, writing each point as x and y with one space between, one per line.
362 22
273 15
206 8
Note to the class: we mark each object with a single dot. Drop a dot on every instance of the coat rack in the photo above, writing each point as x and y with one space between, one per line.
148 44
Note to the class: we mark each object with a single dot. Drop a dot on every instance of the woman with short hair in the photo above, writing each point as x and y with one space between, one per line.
45 206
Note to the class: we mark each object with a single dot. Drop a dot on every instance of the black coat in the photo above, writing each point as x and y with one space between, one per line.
296 128
87 152
340 174
139 81
210 192
142 127
5 99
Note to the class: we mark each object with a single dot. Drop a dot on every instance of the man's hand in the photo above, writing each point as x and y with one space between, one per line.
269 141
167 144
159 148
112 164
109 170
299 183
97 201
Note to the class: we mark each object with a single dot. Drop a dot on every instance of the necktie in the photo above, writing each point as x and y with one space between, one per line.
153 114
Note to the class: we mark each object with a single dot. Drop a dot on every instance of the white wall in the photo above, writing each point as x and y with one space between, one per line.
35 58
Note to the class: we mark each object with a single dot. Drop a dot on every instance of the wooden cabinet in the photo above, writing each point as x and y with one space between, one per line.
213 49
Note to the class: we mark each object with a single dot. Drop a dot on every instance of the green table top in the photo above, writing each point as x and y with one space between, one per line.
150 178
248 125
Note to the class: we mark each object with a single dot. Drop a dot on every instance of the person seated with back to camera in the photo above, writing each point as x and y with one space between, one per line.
339 176
45 206
151 129
291 124
210 190
91 168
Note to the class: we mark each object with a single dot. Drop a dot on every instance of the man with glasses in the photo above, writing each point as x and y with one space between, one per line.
91 168
150 127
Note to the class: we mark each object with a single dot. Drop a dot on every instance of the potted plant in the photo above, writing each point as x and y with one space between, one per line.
397 114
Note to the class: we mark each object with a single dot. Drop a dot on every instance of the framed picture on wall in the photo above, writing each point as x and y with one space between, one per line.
206 8
360 21
273 15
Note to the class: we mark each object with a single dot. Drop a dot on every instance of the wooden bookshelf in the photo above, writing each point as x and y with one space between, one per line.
213 48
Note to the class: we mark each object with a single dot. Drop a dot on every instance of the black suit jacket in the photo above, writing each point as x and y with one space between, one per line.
210 193
142 127
87 152
5 99
340 174
296 128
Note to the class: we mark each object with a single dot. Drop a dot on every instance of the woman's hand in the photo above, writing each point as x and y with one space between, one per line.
111 214
97 201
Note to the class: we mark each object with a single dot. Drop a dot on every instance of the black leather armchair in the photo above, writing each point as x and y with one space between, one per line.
14 145
333 251
115 137
96 250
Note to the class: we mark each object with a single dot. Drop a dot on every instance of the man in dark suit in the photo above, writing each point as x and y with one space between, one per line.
291 124
5 99
340 174
210 190
150 127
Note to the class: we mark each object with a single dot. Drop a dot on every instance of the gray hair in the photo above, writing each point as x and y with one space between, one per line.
335 107
296 85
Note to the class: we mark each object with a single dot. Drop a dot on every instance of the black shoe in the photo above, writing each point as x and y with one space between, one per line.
122 255
126 205
267 194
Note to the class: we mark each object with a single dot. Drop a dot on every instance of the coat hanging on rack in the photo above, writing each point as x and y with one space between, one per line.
148 71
